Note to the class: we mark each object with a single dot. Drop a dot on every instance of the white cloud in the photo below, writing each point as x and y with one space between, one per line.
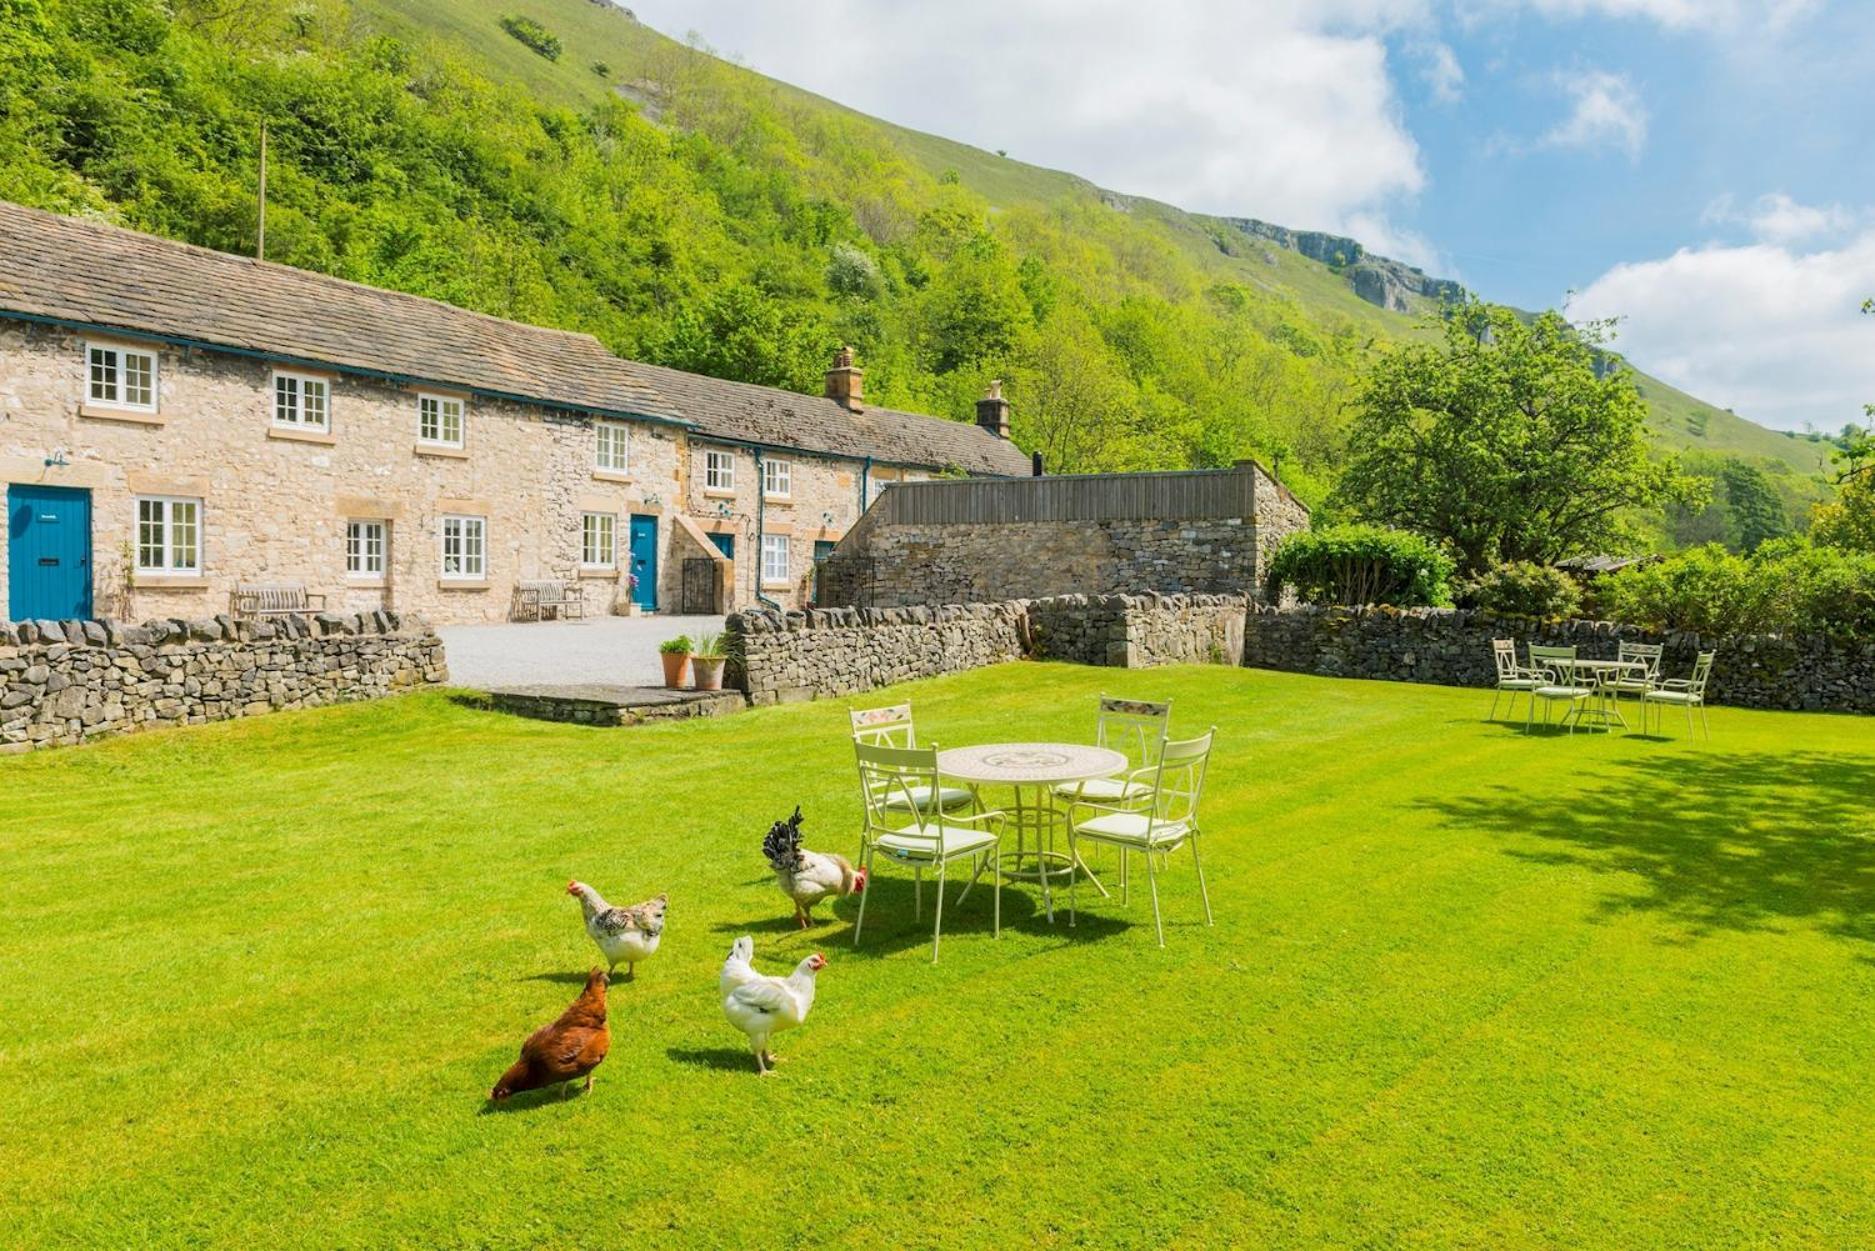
1777 218
1710 15
1440 70
1774 333
1283 109
1604 111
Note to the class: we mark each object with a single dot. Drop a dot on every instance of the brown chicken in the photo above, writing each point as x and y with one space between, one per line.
565 1051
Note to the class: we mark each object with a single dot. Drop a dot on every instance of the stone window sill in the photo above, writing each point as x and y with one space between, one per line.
785 501
777 586
441 451
135 416
169 582
603 575
711 493
611 475
289 435
460 584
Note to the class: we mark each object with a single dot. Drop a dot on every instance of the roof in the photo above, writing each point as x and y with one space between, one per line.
87 274
812 423
1603 564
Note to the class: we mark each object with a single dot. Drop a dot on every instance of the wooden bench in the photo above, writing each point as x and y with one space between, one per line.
534 598
278 599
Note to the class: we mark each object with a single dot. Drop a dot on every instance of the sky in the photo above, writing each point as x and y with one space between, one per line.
1702 169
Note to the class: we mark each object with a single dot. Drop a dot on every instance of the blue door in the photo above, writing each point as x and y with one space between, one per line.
823 548
48 552
726 544
645 562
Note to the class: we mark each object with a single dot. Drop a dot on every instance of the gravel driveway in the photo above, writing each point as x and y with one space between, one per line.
617 651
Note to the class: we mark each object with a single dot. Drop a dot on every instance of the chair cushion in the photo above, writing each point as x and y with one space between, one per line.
1672 697
915 846
1131 829
948 797
1629 687
1564 692
1103 790
1518 684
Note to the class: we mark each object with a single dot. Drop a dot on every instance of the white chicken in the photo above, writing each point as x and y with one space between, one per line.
623 935
808 877
762 1007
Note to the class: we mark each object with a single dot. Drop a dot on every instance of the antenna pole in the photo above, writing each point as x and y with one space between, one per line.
260 237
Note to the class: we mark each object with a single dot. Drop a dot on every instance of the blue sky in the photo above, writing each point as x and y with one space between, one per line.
1702 169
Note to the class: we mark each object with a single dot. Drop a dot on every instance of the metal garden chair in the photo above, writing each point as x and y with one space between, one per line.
1623 682
1511 676
1167 821
1136 729
892 727
1559 685
1687 693
931 838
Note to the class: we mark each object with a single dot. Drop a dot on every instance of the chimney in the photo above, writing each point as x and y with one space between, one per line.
993 411
845 382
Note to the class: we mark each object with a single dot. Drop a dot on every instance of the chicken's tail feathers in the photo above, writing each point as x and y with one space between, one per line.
742 949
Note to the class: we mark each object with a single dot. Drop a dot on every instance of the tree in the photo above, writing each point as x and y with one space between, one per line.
1848 521
1511 439
1757 514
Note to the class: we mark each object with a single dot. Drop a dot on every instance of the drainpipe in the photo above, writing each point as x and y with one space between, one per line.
865 484
761 521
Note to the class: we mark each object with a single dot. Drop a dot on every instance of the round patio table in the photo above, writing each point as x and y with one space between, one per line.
1036 768
1602 674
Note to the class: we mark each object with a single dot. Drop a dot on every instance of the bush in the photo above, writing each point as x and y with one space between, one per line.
1788 586
1525 589
533 34
1356 564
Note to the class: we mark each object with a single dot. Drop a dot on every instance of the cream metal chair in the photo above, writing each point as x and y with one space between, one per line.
1165 822
892 727
1687 693
929 839
1559 685
1622 682
1136 729
1511 677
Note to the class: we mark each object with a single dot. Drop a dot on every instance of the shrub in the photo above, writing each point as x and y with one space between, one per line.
533 34
1788 586
1357 564
1526 589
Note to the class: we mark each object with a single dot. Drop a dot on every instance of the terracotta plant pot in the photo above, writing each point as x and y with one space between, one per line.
676 669
709 671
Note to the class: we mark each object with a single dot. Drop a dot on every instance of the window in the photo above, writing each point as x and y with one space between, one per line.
613 448
439 420
302 402
169 534
364 549
776 476
122 377
598 540
774 559
465 551
719 471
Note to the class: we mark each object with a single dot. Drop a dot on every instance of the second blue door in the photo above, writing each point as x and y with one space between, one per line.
644 551
48 552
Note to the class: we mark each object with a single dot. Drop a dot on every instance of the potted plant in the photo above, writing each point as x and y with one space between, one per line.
676 656
708 661
628 606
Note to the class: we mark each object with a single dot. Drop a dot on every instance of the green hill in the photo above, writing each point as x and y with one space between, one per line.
697 214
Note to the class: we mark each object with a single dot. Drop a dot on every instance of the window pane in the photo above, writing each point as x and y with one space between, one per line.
182 534
150 542
428 426
313 402
104 375
285 400
139 378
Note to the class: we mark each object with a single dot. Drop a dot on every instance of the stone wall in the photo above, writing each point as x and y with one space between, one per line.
64 682
1448 647
784 657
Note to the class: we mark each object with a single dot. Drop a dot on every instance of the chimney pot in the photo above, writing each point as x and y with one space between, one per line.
993 411
845 382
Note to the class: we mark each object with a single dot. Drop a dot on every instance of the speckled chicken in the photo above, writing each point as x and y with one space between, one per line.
566 1050
623 935
808 877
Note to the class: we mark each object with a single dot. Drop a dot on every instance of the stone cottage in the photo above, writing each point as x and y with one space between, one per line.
176 422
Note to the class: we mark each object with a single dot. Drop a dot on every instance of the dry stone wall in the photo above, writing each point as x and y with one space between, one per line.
785 657
1448 647
64 682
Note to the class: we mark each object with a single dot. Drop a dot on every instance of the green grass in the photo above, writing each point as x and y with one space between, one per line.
1466 988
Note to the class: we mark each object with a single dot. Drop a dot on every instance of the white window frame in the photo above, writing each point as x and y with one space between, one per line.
444 406
163 511
471 547
302 386
360 564
106 365
719 470
611 449
598 528
772 544
777 477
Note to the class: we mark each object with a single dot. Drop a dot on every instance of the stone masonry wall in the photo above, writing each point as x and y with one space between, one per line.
778 657
64 682
1448 647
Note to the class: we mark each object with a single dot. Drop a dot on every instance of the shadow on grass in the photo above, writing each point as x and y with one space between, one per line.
723 1059
1719 841
528 1100
567 979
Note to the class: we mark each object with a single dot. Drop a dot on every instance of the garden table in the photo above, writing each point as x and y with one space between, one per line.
1601 675
1037 768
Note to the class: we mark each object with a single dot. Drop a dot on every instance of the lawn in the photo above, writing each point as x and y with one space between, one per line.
1465 988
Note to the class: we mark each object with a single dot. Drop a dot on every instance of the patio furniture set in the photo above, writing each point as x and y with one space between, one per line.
1590 690
1133 789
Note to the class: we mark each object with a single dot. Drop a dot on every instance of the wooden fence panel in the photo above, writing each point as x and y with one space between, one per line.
1193 495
